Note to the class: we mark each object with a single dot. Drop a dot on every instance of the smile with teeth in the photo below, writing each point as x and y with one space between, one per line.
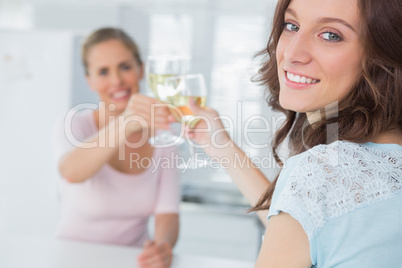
301 79
120 94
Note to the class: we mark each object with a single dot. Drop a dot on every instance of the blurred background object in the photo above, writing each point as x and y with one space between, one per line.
41 77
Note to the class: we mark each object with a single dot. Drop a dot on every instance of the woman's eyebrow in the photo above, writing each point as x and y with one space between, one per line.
125 62
324 19
328 19
291 12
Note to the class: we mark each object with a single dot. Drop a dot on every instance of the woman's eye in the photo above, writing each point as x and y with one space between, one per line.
126 67
331 36
291 27
103 72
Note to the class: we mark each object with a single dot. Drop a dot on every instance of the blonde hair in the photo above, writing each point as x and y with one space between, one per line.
105 34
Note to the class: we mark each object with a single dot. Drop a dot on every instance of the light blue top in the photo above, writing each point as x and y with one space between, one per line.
348 199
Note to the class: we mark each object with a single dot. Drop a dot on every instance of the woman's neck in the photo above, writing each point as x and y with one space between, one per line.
330 110
392 136
316 116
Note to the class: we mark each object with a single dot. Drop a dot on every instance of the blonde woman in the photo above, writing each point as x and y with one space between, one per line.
110 190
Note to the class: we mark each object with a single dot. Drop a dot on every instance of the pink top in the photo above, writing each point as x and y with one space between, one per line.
113 207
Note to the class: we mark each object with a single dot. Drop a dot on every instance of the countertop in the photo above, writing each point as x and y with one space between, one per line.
17 251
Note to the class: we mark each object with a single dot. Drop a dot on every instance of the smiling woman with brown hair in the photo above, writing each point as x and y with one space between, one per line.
334 69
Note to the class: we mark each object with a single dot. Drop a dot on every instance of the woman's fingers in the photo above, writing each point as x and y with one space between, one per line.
155 255
153 113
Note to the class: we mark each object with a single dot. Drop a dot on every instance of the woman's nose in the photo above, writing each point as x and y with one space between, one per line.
298 49
116 78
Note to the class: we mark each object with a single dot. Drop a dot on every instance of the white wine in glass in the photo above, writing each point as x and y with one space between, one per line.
158 69
156 82
182 103
179 91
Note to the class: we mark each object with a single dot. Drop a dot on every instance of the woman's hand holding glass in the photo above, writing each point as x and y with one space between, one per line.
146 113
209 132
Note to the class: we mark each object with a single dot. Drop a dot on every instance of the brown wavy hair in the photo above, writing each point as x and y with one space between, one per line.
372 107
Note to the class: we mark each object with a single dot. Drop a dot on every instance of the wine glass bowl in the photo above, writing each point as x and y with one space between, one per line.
167 78
158 69
182 89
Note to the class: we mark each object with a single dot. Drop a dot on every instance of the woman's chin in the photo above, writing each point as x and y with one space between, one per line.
295 107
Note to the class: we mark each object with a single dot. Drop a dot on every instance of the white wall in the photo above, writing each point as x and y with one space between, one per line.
35 80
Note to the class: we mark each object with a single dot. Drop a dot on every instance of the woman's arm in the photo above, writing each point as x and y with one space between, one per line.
248 178
82 163
285 244
166 228
158 253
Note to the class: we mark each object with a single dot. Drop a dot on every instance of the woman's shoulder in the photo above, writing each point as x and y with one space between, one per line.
329 181
75 124
76 117
84 116
340 156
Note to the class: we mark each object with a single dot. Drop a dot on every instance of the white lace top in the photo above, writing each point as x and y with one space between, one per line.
337 192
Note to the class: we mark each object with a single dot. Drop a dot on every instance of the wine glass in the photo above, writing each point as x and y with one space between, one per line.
179 90
158 69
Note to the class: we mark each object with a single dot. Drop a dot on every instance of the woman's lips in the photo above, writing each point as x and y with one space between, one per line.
296 81
121 94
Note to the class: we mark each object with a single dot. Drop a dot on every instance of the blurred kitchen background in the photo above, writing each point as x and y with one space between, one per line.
41 78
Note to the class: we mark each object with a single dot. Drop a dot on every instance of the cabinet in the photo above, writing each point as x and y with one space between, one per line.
217 231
